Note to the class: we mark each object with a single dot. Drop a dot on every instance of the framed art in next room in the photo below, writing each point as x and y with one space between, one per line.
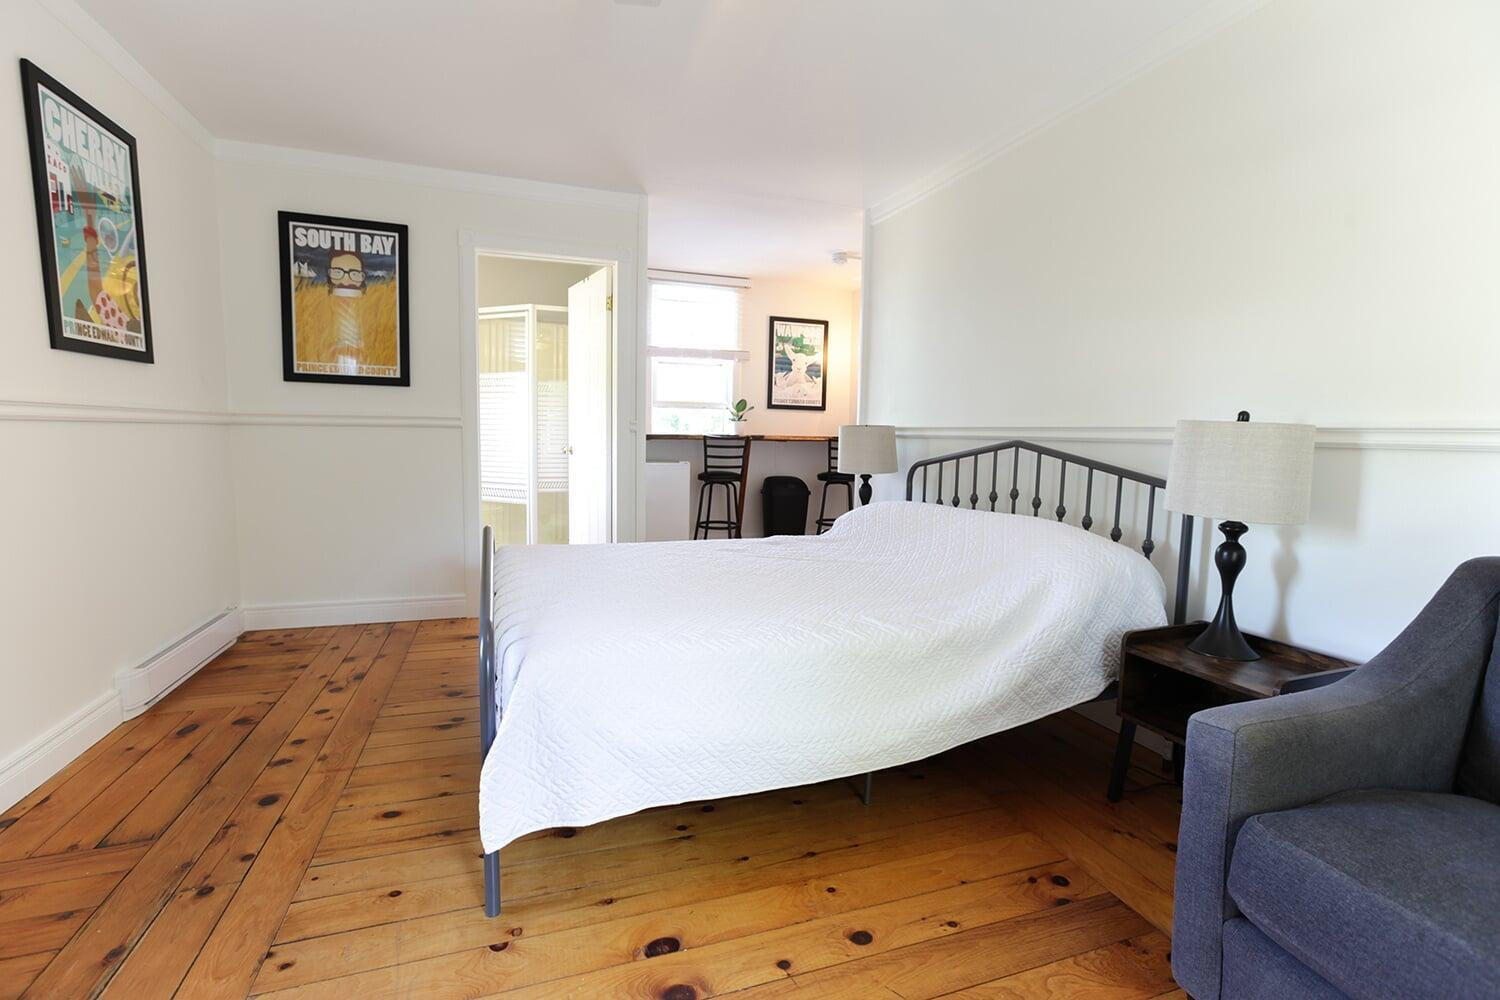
343 300
88 214
797 377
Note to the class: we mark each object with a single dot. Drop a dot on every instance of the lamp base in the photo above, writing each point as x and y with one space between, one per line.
1223 637
865 490
1224 643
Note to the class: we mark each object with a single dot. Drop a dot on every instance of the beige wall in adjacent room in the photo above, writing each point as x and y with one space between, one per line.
767 297
517 281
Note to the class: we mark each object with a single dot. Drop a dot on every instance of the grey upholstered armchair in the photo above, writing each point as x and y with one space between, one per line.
1346 841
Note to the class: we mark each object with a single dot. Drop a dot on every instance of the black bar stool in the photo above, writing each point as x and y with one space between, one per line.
726 463
833 477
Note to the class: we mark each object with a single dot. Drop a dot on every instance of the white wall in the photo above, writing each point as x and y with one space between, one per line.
1297 218
117 501
126 479
353 497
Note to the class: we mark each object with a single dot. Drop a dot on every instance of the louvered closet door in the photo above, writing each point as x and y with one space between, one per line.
505 428
550 363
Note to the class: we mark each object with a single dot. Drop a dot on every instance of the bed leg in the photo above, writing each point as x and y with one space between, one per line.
492 884
869 787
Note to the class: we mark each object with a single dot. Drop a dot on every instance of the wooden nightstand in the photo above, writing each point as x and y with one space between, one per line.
1162 682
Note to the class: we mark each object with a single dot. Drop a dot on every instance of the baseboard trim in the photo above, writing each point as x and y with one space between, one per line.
24 771
142 686
392 609
135 689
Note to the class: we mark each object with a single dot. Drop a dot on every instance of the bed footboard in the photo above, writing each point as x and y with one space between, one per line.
487 694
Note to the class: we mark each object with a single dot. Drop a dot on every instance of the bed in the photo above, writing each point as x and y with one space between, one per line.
622 677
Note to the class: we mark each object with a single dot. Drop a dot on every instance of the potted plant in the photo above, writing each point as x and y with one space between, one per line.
738 414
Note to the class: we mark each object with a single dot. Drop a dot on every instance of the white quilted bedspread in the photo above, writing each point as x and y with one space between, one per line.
642 675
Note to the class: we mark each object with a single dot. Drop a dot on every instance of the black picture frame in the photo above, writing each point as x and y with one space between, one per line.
822 365
62 181
294 369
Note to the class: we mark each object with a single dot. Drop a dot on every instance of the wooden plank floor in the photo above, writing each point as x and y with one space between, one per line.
298 820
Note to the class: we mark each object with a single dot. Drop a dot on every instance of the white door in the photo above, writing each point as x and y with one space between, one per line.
589 341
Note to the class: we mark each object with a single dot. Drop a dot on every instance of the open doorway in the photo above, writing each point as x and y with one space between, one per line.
545 347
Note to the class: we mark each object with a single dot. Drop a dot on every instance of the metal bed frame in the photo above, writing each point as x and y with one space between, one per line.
1063 459
934 489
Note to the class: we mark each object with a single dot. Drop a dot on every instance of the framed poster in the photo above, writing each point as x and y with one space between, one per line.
343 300
797 378
88 216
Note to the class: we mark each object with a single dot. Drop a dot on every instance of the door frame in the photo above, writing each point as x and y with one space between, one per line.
625 443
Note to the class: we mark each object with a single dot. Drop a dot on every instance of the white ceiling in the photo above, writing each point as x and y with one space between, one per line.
754 237
832 103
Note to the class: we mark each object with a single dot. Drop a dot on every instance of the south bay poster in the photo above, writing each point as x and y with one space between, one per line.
343 300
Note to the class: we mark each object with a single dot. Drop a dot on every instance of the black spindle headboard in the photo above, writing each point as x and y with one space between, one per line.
958 477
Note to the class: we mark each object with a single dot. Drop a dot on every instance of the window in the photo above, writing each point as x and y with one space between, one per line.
694 347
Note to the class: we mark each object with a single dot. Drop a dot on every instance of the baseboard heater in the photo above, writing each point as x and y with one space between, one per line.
141 687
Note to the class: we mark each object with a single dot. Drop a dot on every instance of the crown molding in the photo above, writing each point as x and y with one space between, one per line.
1449 439
290 158
1203 23
92 34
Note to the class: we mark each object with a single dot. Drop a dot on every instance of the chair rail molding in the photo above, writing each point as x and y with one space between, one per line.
342 420
54 412
1371 438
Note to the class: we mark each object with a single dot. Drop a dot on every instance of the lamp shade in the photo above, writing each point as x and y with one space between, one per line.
1241 470
867 449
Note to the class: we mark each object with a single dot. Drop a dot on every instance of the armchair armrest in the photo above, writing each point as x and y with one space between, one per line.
1399 721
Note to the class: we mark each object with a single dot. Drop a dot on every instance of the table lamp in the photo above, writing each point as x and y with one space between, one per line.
1236 471
867 449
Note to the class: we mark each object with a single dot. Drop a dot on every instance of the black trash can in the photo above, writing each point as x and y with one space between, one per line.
783 506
